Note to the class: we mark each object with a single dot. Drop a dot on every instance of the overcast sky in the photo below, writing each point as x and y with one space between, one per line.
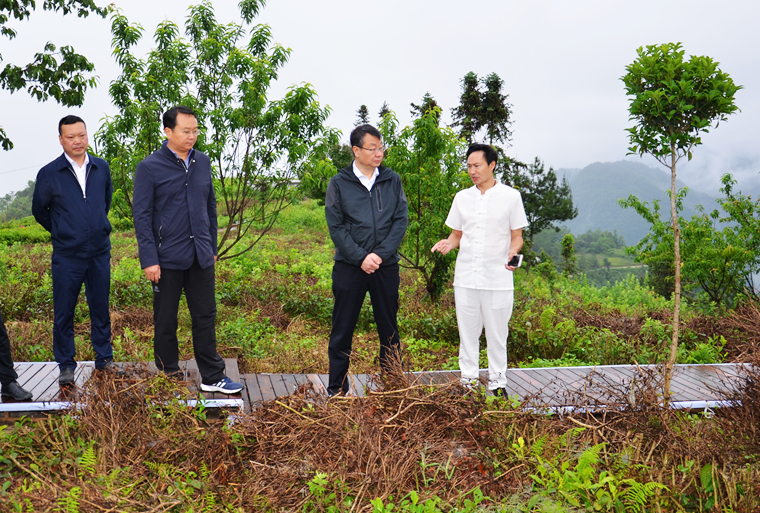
561 63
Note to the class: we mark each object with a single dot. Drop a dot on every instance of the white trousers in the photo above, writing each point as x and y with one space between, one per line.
475 309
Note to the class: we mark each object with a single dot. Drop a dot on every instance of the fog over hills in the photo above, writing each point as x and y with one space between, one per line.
597 188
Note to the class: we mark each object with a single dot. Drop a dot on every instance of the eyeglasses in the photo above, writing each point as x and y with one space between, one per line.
381 149
187 132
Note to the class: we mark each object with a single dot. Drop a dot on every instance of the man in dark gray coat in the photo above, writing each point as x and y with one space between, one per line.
366 212
174 209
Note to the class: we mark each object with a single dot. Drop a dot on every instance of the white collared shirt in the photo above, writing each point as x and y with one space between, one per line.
486 222
366 182
80 172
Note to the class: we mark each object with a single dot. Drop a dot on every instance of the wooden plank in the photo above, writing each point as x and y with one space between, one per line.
363 382
711 377
536 378
193 376
319 387
254 393
690 388
290 383
280 390
231 369
357 387
246 395
265 387
301 379
518 381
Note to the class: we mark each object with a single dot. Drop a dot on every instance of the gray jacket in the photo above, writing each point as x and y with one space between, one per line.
363 222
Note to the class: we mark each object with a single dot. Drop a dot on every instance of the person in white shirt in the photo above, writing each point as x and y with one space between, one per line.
486 222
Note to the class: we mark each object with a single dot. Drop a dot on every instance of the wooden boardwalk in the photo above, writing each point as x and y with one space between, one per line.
41 379
693 387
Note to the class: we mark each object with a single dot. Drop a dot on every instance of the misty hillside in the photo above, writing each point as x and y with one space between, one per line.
597 187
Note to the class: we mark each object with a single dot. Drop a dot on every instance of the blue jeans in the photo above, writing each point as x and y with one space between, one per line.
68 276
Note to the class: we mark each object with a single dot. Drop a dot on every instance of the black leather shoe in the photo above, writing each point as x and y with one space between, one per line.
500 392
15 391
66 378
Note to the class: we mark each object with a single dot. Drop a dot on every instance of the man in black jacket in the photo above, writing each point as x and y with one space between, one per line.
8 376
71 200
366 212
174 208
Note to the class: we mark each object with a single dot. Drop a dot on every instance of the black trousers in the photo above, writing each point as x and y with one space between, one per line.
198 285
7 374
350 285
68 276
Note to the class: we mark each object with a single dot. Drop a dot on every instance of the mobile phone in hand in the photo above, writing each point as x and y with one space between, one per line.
516 261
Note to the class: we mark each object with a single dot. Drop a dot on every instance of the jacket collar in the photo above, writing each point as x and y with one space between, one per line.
167 152
348 173
61 163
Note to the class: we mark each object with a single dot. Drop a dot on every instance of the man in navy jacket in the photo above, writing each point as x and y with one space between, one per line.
71 200
366 212
174 208
10 387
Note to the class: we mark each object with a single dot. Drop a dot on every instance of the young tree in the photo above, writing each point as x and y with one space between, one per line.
467 115
256 145
673 102
316 174
714 261
60 73
568 254
546 200
745 230
362 116
429 160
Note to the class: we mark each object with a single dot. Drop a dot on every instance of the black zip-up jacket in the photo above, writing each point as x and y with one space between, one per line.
77 221
174 210
363 222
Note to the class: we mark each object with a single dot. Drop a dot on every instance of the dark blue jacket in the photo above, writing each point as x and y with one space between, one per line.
363 222
77 222
174 210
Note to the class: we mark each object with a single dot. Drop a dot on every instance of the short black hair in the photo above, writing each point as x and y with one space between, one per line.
488 152
358 133
70 120
170 116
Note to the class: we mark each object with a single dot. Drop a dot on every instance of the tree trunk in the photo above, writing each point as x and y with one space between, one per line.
677 292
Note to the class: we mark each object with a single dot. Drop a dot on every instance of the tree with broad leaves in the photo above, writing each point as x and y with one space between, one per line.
745 230
256 145
673 102
429 159
716 261
57 73
362 116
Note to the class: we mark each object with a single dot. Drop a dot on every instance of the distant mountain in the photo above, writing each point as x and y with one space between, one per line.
597 187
